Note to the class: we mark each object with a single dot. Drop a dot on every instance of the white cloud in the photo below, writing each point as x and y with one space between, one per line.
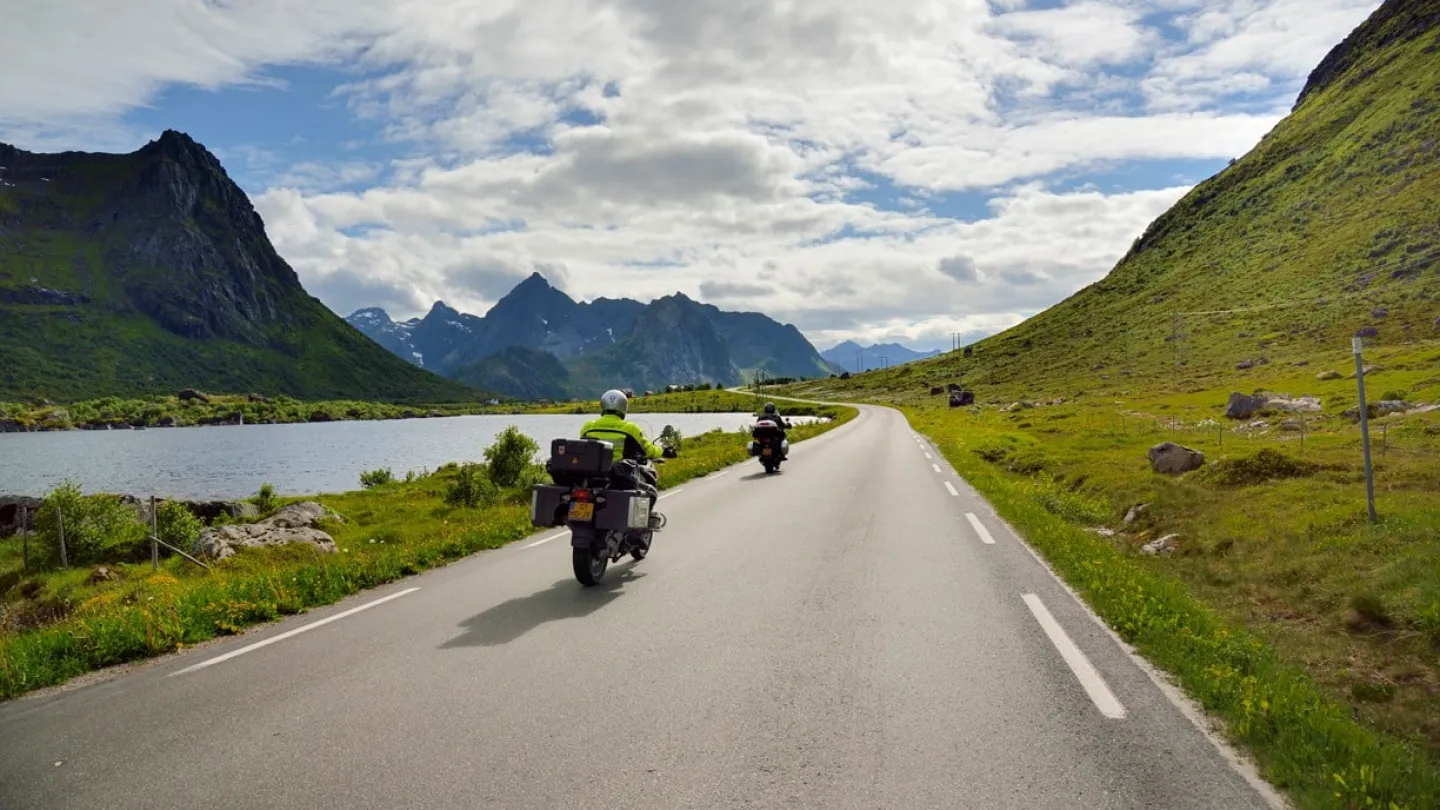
637 147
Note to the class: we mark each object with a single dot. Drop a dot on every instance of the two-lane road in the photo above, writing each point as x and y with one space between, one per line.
858 631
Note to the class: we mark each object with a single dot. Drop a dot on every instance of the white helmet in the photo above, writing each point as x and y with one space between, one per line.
615 401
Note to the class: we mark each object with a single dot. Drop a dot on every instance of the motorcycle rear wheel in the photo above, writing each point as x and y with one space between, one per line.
589 565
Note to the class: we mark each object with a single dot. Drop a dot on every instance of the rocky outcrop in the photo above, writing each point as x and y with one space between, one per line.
1329 375
1173 459
296 523
1243 406
17 513
1384 407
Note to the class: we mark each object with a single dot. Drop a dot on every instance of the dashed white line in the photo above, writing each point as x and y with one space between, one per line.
1085 673
952 489
980 529
935 467
297 631
928 456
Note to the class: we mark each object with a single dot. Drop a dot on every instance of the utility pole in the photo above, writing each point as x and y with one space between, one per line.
1356 343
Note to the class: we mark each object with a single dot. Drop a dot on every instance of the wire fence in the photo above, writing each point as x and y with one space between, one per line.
25 523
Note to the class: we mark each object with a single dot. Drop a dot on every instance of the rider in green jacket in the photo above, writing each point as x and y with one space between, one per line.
610 426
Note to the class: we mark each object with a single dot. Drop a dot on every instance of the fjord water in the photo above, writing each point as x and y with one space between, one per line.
232 462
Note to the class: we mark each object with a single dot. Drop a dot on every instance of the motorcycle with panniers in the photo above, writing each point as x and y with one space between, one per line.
605 503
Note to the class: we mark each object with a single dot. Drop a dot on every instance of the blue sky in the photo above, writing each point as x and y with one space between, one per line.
895 171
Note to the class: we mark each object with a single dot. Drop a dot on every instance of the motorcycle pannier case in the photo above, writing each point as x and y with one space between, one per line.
623 510
546 505
579 458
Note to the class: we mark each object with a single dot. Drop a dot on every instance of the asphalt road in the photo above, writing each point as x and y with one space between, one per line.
837 636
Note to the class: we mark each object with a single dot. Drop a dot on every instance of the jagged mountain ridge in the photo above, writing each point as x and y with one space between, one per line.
601 343
139 273
869 357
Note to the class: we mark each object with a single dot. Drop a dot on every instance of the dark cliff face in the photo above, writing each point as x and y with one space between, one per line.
1395 20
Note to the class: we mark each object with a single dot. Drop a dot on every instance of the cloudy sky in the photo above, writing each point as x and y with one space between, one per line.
869 169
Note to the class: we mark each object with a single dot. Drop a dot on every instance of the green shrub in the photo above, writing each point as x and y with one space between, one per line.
376 478
265 499
1392 396
471 487
177 526
508 457
97 528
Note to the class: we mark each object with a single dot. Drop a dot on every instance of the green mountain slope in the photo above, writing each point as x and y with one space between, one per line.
519 372
147 272
1328 226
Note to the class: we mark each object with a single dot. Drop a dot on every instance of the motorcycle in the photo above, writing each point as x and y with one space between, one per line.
768 443
606 504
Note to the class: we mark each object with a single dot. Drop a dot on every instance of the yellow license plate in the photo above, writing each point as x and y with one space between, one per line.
582 510
765 452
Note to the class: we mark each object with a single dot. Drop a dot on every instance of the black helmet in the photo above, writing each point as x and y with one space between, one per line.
769 409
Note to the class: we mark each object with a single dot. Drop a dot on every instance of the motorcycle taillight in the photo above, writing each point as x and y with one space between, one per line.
581 495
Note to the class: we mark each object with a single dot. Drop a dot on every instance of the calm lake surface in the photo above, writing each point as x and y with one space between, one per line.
196 463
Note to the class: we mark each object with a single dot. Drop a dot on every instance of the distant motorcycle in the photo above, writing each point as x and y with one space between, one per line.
768 443
605 503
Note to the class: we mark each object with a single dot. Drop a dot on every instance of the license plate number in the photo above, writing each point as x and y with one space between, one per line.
582 510
765 452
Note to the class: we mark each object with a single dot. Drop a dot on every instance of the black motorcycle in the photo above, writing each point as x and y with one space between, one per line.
768 443
605 503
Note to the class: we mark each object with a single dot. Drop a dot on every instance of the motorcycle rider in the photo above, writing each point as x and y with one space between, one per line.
628 438
772 415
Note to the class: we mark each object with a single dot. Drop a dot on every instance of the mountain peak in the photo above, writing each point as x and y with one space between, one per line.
374 315
440 308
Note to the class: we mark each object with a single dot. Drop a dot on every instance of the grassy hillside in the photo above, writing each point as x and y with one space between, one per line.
1311 631
144 273
1286 253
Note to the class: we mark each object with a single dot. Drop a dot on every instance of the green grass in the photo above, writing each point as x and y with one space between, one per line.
57 625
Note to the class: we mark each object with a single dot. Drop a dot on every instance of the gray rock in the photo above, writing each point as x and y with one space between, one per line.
1243 406
1384 407
1169 458
295 523
1134 513
1289 404
1380 313
1292 425
1329 375
1368 332
1244 365
1164 545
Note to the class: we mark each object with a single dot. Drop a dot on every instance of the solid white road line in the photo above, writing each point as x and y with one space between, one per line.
543 541
952 489
297 631
980 529
720 474
1094 685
